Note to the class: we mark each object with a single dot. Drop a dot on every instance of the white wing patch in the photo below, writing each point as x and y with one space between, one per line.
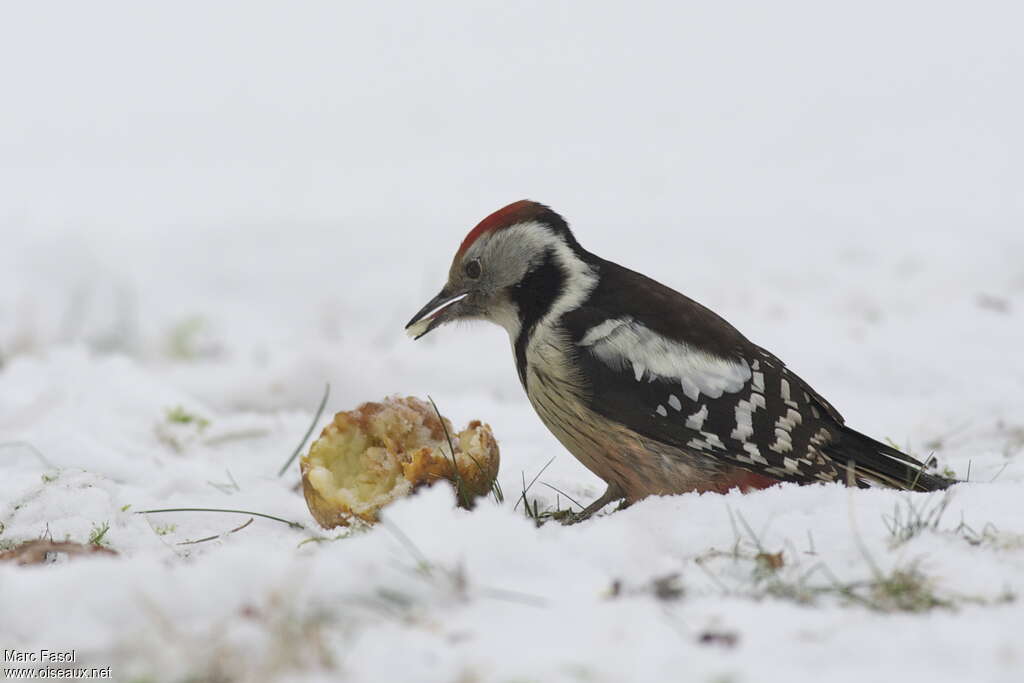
785 395
522 241
783 427
599 332
624 344
696 421
745 417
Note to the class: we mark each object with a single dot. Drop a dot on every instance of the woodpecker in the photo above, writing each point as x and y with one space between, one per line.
651 391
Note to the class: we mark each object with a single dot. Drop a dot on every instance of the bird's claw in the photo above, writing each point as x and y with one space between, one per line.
611 494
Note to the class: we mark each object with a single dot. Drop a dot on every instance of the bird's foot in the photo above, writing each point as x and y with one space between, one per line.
611 494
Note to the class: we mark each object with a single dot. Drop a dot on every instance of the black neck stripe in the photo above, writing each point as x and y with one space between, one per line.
534 296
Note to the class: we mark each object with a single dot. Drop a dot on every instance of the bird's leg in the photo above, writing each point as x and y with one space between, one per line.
611 494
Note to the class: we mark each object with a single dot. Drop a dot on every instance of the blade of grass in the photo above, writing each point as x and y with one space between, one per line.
459 484
496 491
424 565
216 536
29 447
312 426
556 490
522 496
294 525
526 489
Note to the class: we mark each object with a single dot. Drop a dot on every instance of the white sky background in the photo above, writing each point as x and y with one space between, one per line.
620 113
300 174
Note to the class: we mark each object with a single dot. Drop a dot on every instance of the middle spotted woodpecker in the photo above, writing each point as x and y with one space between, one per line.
651 391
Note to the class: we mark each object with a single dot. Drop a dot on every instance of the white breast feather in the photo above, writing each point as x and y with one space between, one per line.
626 345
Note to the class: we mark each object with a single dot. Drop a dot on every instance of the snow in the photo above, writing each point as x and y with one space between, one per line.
220 209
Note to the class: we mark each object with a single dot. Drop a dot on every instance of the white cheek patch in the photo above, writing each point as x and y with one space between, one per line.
523 243
624 344
518 243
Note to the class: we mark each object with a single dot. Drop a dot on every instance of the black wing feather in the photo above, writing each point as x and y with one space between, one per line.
821 445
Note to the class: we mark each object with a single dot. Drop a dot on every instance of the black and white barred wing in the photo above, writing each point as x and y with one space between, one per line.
747 409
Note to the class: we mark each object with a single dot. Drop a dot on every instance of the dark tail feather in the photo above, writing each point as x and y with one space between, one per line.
873 462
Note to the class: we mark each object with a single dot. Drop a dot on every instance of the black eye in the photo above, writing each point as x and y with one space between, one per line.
472 269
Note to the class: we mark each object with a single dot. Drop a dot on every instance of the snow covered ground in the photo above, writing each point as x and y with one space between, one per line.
210 211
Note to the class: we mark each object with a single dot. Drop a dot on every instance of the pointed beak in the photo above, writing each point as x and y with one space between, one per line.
438 311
